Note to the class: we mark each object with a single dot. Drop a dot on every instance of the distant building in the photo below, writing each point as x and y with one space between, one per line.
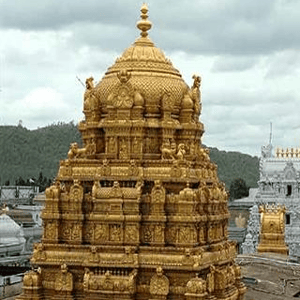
11 281
12 241
20 228
239 216
279 184
16 195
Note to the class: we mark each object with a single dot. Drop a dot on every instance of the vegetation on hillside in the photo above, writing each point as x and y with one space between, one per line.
25 154
238 189
234 165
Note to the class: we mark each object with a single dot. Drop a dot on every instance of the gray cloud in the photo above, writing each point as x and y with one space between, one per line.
49 14
232 27
232 63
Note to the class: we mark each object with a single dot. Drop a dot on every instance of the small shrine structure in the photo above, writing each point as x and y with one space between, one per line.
272 229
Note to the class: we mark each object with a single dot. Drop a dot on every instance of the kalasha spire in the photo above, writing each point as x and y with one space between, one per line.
144 24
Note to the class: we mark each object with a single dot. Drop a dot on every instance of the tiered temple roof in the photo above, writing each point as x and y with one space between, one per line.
138 212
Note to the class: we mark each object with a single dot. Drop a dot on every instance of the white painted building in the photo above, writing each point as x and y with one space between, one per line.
279 184
12 239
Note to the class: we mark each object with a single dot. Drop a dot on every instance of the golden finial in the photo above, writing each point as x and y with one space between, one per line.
144 25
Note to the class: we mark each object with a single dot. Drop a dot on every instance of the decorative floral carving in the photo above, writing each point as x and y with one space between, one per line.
159 283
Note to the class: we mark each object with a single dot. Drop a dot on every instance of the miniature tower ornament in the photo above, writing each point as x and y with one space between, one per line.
138 212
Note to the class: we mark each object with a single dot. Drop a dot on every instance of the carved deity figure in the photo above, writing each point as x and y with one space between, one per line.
64 280
136 145
91 147
131 233
131 285
203 192
202 153
123 151
124 98
101 232
115 233
111 147
39 252
96 189
133 170
90 100
116 190
196 96
94 255
105 168
86 278
76 195
50 230
181 152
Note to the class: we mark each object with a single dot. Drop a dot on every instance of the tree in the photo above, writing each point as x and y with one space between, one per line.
20 181
238 189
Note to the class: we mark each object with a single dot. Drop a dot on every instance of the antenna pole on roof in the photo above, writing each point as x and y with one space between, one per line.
270 133
80 81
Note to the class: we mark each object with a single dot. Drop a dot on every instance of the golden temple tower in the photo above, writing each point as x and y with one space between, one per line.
139 212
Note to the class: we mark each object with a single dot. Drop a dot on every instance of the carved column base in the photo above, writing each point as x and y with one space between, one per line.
189 296
158 297
282 249
104 296
31 294
65 295
231 293
210 297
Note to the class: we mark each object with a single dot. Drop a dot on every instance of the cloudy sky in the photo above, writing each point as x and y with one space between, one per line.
247 53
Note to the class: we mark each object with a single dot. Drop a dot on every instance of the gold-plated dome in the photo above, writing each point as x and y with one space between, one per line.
152 74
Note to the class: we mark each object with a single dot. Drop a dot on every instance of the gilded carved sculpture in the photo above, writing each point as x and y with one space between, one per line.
138 212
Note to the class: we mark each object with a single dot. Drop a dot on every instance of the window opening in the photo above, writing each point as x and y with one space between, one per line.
289 190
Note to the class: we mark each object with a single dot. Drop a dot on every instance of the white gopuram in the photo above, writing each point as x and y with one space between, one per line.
279 184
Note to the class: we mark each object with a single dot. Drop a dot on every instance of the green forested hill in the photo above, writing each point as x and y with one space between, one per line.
233 165
25 153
